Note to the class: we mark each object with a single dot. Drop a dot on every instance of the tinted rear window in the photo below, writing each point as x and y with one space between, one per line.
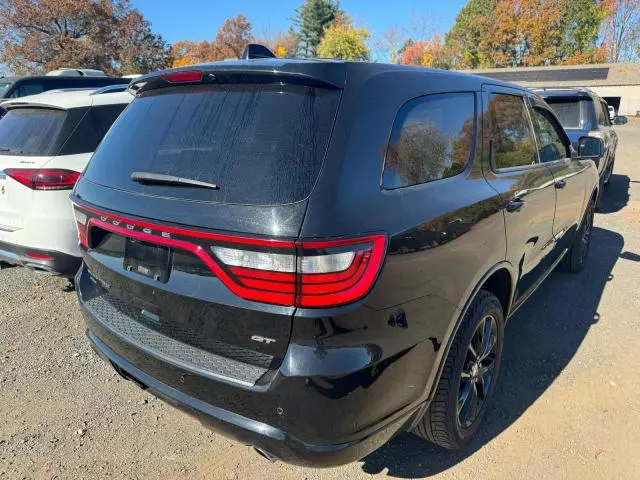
4 87
431 139
568 111
261 144
31 131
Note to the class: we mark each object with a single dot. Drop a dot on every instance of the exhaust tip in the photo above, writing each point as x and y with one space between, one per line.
265 454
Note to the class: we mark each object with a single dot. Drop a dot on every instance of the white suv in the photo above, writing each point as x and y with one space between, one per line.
46 141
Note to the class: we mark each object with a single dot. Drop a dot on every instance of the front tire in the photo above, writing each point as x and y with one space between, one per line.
576 258
468 378
609 172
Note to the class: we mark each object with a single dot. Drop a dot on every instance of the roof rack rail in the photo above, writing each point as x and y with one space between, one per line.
255 50
121 87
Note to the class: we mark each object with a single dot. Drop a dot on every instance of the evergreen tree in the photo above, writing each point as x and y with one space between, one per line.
311 20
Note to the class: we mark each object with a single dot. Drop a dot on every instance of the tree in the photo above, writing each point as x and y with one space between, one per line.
343 40
542 32
232 38
621 30
282 44
388 45
310 22
426 53
41 35
470 29
185 52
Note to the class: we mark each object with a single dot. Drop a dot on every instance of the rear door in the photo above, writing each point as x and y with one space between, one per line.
262 146
569 179
526 185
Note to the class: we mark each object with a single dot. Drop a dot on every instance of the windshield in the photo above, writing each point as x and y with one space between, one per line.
568 111
30 131
260 144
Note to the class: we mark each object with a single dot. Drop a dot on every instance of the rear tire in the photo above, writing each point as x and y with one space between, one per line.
469 375
576 258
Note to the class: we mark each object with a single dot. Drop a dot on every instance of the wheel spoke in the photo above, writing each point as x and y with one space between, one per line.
473 408
488 339
472 351
463 398
487 366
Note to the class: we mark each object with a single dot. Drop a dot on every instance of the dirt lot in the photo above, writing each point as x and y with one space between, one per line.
567 405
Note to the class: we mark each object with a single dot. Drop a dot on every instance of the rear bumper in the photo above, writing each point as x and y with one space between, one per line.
270 440
322 419
42 261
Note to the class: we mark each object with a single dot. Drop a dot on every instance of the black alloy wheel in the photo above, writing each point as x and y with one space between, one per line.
476 378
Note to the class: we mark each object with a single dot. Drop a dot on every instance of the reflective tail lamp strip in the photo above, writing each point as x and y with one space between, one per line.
313 290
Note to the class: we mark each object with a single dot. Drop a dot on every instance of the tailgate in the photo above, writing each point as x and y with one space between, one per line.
212 265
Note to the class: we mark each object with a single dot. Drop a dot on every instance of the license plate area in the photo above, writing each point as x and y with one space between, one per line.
147 259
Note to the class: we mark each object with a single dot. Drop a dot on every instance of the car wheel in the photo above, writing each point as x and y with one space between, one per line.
609 172
468 378
576 258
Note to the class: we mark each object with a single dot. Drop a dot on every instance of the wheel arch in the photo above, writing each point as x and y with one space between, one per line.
494 279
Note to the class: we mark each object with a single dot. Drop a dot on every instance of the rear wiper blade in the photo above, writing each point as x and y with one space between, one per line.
149 178
11 150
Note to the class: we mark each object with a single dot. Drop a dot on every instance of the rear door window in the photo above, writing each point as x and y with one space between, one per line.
431 139
510 133
261 144
31 131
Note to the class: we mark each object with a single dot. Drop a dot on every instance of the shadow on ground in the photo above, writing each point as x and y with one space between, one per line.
540 340
616 194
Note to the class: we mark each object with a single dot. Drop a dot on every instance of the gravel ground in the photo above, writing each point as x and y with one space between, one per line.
567 404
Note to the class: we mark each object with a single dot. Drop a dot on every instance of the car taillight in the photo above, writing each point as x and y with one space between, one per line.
44 178
306 273
81 226
188 76
318 274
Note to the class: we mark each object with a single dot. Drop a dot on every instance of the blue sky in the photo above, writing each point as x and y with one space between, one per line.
200 19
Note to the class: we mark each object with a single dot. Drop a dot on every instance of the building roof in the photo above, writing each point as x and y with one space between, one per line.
595 75
65 99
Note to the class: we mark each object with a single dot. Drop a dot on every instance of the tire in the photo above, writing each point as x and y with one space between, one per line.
442 423
609 172
576 258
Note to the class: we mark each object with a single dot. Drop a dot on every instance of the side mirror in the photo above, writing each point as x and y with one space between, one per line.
590 147
620 120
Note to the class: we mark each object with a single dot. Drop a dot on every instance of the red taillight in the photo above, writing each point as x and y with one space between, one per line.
331 288
312 274
44 178
189 76
38 256
320 273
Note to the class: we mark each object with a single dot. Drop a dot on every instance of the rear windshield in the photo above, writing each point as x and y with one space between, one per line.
4 87
261 144
31 131
568 110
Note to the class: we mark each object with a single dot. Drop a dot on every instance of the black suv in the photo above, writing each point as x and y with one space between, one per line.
312 256
584 114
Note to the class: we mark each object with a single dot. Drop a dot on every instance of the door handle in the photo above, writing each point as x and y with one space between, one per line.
515 205
561 183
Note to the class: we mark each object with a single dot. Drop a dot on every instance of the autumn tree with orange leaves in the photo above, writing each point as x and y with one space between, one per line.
41 35
229 42
426 53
